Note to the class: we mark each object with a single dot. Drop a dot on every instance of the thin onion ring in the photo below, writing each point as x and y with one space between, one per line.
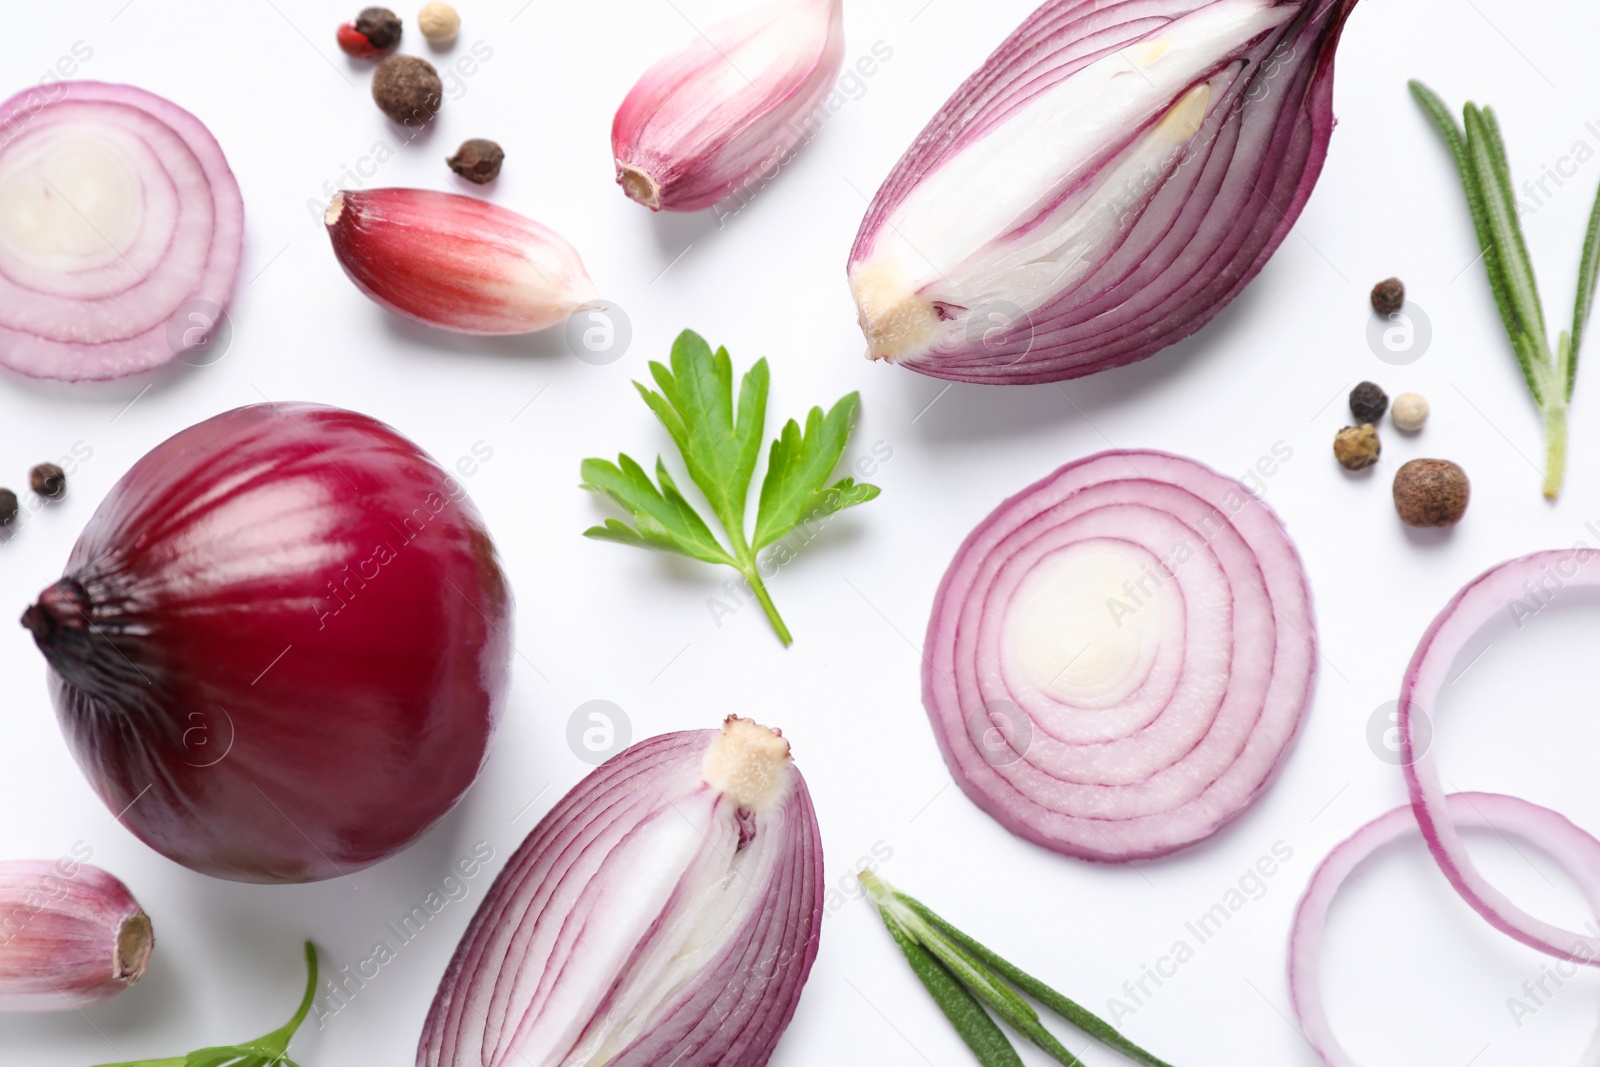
1497 589
1576 850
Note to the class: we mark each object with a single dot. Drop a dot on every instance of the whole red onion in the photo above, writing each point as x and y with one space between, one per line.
281 644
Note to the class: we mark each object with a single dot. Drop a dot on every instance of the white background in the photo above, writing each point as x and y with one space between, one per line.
1413 976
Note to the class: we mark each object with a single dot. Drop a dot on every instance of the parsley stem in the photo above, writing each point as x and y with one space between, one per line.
753 575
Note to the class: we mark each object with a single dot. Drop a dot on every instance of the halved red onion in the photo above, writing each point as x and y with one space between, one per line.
666 911
1120 655
1576 851
1526 583
121 228
1114 175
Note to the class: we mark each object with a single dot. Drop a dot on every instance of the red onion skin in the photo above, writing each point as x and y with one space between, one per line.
1143 295
280 648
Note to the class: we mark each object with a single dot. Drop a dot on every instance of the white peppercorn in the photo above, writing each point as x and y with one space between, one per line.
1409 411
438 22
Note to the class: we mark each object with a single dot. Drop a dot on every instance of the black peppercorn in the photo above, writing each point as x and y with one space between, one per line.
1368 402
380 26
1388 296
9 506
49 481
477 160
407 89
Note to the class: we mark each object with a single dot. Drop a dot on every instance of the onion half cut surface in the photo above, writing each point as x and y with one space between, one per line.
1520 587
121 228
1576 851
1120 655
1114 174
666 911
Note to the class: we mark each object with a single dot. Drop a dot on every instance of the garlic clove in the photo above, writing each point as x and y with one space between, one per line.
457 262
737 100
70 935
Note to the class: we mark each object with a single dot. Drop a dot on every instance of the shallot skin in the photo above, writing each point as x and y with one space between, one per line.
70 935
737 101
281 644
456 262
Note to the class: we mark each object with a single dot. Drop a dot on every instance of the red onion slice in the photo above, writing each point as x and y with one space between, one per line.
1516 584
117 213
667 910
1120 655
1576 851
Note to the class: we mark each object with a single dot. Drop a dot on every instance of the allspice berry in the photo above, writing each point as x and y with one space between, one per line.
1368 402
477 160
1431 492
48 480
407 89
9 506
1388 296
1357 447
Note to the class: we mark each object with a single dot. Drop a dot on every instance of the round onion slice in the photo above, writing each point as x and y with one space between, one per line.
1521 585
1576 851
121 228
1120 655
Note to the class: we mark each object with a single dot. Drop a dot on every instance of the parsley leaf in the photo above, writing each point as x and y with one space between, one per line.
720 442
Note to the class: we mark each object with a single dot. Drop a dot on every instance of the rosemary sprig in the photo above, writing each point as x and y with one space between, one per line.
1550 371
965 978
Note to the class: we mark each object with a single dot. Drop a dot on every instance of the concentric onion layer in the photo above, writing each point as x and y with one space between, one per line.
1160 240
119 218
1120 655
1576 851
1517 589
645 921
